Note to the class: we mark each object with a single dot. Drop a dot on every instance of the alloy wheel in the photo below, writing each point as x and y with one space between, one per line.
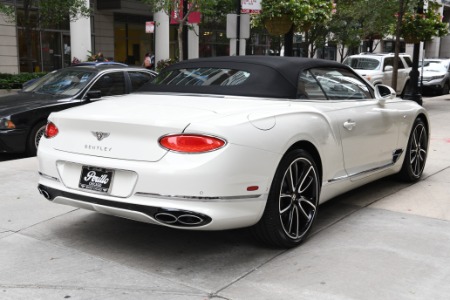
298 198
39 135
418 151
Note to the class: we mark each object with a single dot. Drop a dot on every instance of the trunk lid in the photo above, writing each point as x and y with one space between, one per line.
130 127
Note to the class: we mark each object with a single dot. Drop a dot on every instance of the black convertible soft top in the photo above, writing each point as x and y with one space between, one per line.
270 76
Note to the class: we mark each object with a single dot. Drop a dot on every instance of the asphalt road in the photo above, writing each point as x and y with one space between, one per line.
386 240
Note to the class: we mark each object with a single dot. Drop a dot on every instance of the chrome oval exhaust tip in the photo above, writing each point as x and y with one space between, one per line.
190 220
44 193
181 218
166 218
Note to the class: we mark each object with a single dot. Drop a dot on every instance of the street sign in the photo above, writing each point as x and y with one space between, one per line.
250 6
150 27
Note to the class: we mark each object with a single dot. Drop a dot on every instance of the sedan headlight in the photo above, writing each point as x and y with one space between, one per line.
6 123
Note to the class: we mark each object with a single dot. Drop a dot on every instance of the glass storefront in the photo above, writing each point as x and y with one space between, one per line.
41 50
131 42
29 51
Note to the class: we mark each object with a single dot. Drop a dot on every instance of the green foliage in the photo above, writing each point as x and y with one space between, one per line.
357 20
160 65
15 81
302 13
56 11
8 11
51 12
416 27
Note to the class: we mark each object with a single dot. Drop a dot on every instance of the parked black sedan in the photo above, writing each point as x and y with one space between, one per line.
23 116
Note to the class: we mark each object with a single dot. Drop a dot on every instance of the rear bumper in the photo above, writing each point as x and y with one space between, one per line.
200 187
188 214
13 141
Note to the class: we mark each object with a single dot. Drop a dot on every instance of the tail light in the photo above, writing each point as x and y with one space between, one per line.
51 130
191 143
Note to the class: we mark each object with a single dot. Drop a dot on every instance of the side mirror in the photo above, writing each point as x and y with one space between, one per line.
384 92
93 94
388 68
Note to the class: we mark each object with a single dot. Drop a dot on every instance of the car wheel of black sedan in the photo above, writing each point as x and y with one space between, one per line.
34 137
293 201
416 153
445 89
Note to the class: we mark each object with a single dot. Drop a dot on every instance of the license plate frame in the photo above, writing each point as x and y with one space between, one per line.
95 179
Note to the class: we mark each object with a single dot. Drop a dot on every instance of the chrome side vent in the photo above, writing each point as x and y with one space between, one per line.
396 155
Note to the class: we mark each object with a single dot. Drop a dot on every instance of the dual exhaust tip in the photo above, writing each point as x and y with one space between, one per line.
181 218
173 217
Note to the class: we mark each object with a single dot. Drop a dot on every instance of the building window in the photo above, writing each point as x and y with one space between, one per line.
29 53
389 46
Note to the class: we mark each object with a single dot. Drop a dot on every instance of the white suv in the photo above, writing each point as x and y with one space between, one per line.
377 68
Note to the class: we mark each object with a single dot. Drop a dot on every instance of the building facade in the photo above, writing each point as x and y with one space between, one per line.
118 30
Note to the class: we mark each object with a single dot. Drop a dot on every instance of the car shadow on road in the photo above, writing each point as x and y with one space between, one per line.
12 156
215 257
89 229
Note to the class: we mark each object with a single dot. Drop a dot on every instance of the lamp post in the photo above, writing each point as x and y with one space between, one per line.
413 92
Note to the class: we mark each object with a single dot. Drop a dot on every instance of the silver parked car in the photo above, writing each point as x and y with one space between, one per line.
377 68
435 76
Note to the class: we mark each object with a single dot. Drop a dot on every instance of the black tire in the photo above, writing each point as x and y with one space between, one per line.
416 153
445 89
292 203
33 138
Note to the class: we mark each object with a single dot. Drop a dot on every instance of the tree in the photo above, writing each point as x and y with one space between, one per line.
361 20
43 14
415 24
346 32
210 8
303 15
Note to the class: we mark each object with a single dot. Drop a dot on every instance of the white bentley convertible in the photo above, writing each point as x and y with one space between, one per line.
231 142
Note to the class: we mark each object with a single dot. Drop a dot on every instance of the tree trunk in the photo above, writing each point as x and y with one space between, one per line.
28 30
180 41
289 42
397 46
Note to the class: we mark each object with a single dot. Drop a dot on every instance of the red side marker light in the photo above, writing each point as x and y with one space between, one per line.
252 188
191 143
51 130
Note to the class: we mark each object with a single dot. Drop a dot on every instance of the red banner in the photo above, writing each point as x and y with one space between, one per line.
177 15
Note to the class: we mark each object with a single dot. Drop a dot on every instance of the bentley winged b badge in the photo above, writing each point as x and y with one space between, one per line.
100 135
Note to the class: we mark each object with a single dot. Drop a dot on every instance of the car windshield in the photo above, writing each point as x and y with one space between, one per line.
202 76
362 63
62 82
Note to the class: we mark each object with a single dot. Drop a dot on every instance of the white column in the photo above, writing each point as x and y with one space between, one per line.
80 37
162 38
193 41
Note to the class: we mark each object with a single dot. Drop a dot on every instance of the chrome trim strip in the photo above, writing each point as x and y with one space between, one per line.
338 178
395 156
48 177
197 198
362 173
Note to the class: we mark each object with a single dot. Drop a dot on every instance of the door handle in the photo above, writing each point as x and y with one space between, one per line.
349 124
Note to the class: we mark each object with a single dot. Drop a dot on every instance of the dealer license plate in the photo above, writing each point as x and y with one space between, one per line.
96 179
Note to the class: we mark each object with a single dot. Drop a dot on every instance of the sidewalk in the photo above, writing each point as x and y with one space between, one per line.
386 240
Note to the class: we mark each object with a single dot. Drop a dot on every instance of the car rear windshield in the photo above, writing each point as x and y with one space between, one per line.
202 77
362 63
